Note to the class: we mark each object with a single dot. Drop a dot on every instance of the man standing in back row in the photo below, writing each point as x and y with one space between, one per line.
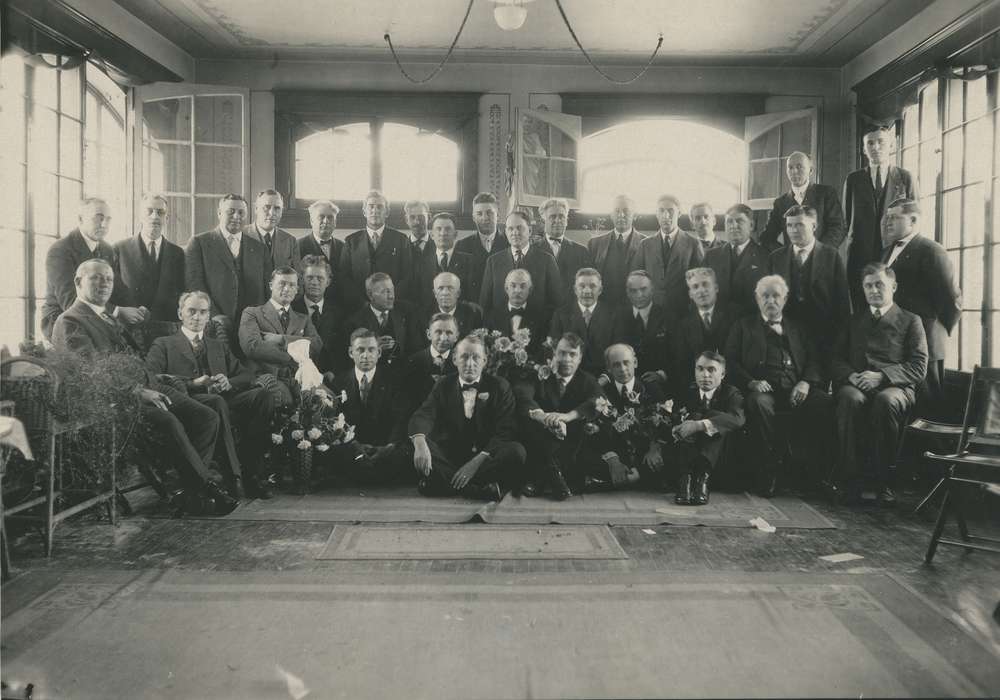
822 198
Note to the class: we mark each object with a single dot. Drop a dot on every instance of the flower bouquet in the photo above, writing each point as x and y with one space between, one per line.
635 427
314 424
507 356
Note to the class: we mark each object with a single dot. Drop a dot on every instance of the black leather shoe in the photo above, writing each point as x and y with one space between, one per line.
767 485
683 495
483 492
559 489
887 497
529 489
258 489
592 484
224 503
700 496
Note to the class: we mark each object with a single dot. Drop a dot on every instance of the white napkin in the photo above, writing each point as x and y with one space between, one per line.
308 376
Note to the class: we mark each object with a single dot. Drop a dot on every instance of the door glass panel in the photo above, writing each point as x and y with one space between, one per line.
44 199
218 169
12 184
12 253
535 176
765 145
46 86
168 119
930 165
42 245
69 86
972 278
218 119
953 158
975 213
563 145
972 340
43 140
70 148
70 194
954 105
763 179
952 221
206 215
11 323
535 140
167 167
796 135
178 227
929 111
564 173
977 151
975 98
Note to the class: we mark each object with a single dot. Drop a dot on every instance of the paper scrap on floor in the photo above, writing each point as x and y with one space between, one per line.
837 558
763 525
648 531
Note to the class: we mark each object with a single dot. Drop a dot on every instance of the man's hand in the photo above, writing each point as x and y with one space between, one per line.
558 430
158 399
604 379
619 472
551 420
275 339
653 458
687 429
799 393
854 379
870 381
221 383
131 315
421 456
223 327
468 471
760 385
651 376
386 342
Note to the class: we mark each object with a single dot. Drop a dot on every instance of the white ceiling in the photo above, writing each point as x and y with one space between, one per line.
800 32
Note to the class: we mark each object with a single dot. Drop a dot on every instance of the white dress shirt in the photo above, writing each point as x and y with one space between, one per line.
91 243
799 193
741 247
233 240
487 241
875 170
359 375
376 232
278 307
629 386
808 250
883 310
148 242
468 399
898 246
191 335
643 313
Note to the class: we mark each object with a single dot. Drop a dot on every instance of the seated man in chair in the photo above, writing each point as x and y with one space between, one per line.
216 378
464 432
189 427
267 330
879 360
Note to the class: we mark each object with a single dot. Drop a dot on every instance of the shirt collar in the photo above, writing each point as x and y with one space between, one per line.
767 322
435 354
373 231
359 375
147 241
261 232
225 234
91 244
883 309
377 312
277 306
462 383
671 236
642 312
450 313
321 241
808 249
191 335
706 241
629 385
309 304
743 246
800 192
511 307
709 310
586 308
523 252
707 394
488 238
905 240
99 310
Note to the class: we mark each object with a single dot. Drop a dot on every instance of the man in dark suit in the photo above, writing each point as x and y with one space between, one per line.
447 293
374 409
391 320
267 330
645 327
464 432
327 318
233 269
879 361
714 410
546 284
552 412
667 256
418 219
425 367
323 221
927 287
817 281
822 198
866 194
443 258
703 227
618 252
776 366
488 239
519 311
739 263
64 257
282 246
588 317
190 428
216 378
149 269
570 256
376 248
705 326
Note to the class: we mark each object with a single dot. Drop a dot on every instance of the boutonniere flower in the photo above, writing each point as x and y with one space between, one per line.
483 396
632 396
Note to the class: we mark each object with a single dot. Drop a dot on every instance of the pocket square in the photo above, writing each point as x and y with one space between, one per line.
484 396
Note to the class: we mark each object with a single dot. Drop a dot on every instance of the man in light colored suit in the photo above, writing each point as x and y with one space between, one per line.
376 248
822 198
282 246
232 268
667 256
570 256
866 193
617 252
266 331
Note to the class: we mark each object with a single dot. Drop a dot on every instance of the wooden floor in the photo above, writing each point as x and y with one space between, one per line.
964 586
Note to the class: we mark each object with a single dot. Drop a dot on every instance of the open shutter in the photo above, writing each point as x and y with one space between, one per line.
770 138
190 144
546 149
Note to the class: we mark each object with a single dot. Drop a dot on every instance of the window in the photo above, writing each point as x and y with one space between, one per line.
546 148
921 151
104 169
641 158
771 138
404 161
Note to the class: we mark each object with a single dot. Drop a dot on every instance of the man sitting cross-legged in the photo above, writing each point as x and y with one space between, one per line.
553 412
425 367
713 410
777 367
464 432
189 427
216 378
374 409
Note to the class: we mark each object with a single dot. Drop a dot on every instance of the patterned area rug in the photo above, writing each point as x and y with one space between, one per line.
207 634
403 504
472 542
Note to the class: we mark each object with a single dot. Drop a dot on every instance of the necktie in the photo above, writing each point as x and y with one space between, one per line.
487 243
707 319
234 246
706 403
375 240
196 344
775 326
878 181
283 316
109 319
324 247
555 243
587 314
640 321
877 314
444 261
267 240
518 257
315 315
800 256
152 251
383 316
665 248
561 385
363 389
622 391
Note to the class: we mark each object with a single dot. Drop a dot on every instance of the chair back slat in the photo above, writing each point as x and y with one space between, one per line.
981 425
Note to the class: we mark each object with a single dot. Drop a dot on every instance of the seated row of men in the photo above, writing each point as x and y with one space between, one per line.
462 438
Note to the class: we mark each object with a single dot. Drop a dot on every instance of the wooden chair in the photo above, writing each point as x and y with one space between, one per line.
34 386
976 462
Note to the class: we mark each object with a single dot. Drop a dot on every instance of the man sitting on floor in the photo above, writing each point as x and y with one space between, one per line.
189 427
778 369
373 408
879 361
553 411
464 432
713 410
216 378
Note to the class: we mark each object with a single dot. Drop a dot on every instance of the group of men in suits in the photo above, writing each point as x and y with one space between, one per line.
737 329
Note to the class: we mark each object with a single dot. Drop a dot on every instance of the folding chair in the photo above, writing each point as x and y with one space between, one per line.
976 462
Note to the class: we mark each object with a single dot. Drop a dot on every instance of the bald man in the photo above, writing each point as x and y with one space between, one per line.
615 253
803 192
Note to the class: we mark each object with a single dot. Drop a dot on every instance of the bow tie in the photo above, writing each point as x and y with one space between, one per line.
474 386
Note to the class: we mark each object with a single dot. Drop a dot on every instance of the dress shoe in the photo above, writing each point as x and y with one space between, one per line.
700 495
431 486
558 488
887 497
224 503
767 485
483 492
529 489
683 495
593 484
258 489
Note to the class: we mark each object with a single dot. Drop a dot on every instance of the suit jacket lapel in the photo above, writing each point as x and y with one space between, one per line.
221 250
602 248
271 314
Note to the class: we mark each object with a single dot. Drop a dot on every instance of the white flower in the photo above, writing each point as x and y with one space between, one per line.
298 434
349 435
339 422
304 445
668 405
343 396
314 433
504 344
521 356
277 439
632 396
322 447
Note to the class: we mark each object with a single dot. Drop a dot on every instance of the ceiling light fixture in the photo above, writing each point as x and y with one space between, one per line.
510 14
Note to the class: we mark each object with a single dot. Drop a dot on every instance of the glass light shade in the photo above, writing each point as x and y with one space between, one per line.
510 17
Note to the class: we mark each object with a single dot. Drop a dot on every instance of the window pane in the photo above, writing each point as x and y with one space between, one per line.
42 245
12 184
928 209
167 168
93 117
206 215
910 161
13 125
796 135
167 119
929 111
563 145
218 119
972 340
408 153
930 165
971 281
953 158
952 219
44 203
334 163
975 98
70 148
536 136
11 323
46 86
764 179
765 145
995 354
564 174
218 169
535 176
12 253
43 140
975 215
178 227
69 85
12 74
951 355
954 107
977 150
996 278
70 195
911 133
